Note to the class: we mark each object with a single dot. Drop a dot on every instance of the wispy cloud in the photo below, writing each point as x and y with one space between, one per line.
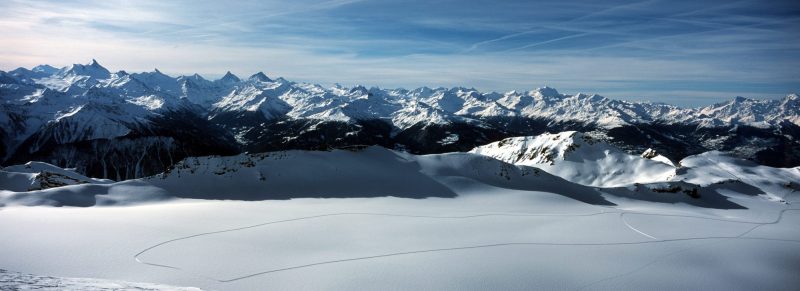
558 26
548 41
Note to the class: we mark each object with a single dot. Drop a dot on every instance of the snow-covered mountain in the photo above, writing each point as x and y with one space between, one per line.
579 158
65 116
586 160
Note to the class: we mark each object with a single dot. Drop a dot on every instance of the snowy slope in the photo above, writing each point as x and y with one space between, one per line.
19 281
718 167
517 221
378 172
38 167
37 176
370 172
263 99
578 158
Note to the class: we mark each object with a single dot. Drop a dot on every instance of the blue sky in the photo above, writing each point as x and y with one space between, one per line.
679 52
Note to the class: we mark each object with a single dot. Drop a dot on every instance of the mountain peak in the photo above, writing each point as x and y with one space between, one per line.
229 78
195 77
260 76
547 92
94 70
740 99
46 69
359 89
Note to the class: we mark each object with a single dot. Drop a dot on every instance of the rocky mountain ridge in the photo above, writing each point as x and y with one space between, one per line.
123 125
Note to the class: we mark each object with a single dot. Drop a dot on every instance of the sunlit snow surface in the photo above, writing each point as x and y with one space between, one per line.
506 227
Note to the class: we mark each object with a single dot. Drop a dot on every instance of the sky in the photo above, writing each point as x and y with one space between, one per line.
687 53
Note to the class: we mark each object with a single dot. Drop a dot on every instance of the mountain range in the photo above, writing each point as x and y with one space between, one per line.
120 125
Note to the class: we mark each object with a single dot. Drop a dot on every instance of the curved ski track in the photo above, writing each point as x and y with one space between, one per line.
622 213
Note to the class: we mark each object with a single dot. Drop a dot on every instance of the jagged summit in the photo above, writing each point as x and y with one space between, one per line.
229 79
260 77
93 69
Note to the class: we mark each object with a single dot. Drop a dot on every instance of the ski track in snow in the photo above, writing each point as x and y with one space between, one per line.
622 217
622 213
659 258
640 268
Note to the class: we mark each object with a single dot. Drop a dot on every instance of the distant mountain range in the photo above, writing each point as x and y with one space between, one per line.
125 125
